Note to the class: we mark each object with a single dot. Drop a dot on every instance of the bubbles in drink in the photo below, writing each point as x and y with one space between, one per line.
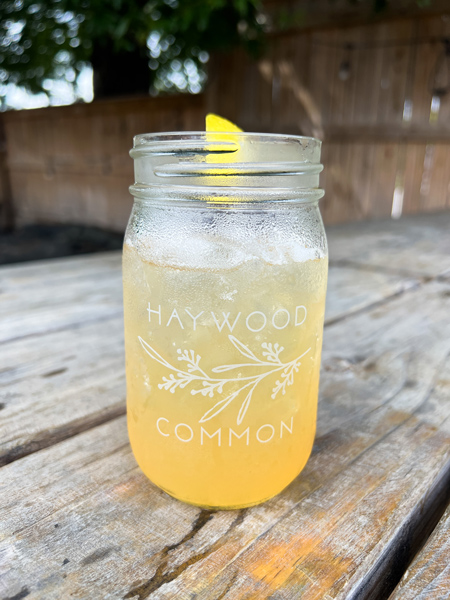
223 341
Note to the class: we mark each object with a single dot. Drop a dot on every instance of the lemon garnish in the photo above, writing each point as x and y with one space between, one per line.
219 129
216 123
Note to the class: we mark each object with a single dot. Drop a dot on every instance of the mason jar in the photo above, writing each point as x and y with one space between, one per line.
225 272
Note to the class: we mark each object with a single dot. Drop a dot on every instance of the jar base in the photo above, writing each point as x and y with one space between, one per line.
219 507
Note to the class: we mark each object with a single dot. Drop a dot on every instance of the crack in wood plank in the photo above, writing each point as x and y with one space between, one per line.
226 589
161 576
402 549
369 307
24 592
97 555
64 432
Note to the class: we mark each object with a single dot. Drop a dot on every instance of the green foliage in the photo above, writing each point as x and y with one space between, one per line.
39 42
43 40
51 39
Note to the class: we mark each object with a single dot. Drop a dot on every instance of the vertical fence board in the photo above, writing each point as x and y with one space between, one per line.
415 157
384 179
394 73
321 72
368 77
438 178
426 57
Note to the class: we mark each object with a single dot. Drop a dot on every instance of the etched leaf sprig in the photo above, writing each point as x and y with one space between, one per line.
287 376
272 352
192 361
214 386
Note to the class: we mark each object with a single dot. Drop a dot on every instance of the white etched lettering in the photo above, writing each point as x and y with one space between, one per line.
288 318
246 432
225 321
203 431
256 312
174 315
186 433
177 428
194 319
156 312
283 424
258 436
159 428
301 308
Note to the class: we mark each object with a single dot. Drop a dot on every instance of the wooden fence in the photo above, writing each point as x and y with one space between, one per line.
386 141
71 165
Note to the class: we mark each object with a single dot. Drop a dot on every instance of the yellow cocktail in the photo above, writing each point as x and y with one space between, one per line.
224 312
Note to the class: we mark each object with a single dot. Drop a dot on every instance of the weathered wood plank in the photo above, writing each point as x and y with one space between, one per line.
411 245
344 529
62 370
54 386
393 82
413 174
19 275
428 577
352 290
424 66
37 298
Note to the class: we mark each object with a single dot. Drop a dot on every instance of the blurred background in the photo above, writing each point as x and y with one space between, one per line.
79 78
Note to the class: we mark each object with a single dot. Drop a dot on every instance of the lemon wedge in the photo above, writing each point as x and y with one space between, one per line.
215 123
221 130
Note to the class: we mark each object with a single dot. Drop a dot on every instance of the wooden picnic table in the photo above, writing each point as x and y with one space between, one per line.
79 520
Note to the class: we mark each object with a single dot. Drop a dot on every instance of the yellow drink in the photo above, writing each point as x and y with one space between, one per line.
223 363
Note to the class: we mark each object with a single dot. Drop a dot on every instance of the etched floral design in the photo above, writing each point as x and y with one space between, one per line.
211 386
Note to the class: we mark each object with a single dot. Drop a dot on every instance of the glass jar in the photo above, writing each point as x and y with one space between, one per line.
225 270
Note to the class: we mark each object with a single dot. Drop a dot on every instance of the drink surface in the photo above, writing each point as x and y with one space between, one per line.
223 360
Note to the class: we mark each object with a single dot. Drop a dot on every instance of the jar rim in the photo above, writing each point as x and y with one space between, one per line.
142 140
226 167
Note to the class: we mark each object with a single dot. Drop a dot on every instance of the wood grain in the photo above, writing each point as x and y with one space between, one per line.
93 526
428 577
410 246
60 372
57 385
352 289
44 296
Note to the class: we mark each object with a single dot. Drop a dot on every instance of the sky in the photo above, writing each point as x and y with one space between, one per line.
60 92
